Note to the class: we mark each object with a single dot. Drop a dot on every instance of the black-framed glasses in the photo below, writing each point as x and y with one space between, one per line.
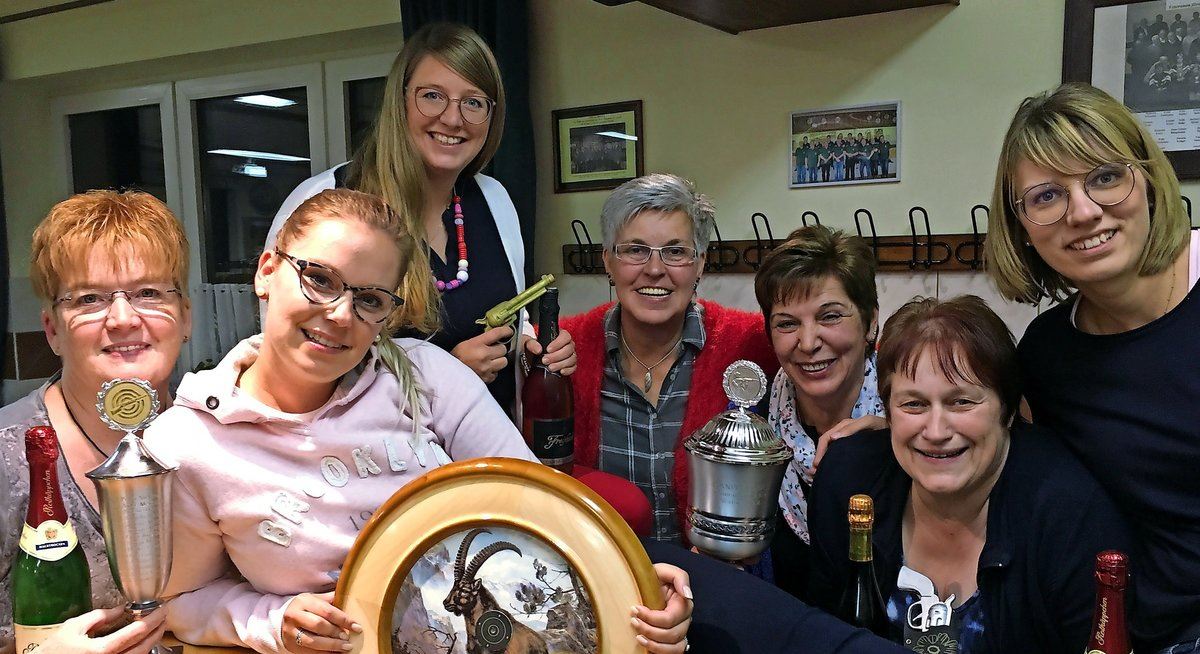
147 298
322 285
1107 184
475 109
672 255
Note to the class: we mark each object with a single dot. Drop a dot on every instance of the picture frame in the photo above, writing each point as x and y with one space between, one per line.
549 553
1103 44
838 146
597 147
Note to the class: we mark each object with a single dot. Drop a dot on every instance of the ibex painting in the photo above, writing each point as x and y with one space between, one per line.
490 628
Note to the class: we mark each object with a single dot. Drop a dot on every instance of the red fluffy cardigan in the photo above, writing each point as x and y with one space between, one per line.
730 335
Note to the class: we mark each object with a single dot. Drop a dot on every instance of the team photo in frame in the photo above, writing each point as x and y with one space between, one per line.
845 145
597 147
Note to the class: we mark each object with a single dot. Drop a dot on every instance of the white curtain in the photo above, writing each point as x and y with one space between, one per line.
222 315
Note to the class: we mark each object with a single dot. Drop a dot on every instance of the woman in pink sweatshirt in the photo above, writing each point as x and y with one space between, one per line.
304 430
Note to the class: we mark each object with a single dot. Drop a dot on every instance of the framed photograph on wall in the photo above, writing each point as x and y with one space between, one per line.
496 555
1147 55
845 145
597 147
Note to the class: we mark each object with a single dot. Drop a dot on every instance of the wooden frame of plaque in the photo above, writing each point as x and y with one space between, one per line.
499 554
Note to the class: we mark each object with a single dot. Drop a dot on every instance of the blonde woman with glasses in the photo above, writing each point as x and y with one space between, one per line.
440 124
1086 212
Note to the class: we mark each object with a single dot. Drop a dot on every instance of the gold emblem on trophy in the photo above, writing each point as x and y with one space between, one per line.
127 405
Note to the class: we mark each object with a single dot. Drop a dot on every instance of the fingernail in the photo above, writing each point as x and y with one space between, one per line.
687 592
643 641
346 647
356 627
633 611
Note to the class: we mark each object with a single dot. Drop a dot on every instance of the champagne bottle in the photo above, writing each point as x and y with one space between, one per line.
862 604
1109 633
50 578
548 416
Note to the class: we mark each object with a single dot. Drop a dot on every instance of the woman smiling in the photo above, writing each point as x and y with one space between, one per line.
989 520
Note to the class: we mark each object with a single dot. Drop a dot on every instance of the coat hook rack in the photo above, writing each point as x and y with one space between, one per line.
758 249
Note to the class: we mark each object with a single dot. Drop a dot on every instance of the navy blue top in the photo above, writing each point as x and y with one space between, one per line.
1128 405
736 613
1047 520
491 281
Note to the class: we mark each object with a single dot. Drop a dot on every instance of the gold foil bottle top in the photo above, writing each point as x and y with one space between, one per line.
861 512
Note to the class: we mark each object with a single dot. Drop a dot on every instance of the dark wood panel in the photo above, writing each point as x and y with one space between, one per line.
35 359
735 16
892 253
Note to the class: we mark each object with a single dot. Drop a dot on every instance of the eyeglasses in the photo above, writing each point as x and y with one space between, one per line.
672 255
1107 185
475 109
88 302
321 285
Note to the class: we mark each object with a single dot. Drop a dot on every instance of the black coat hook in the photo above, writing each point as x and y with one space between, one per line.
585 250
975 261
720 256
758 248
816 220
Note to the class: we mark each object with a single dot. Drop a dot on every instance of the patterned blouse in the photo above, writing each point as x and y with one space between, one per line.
15 420
786 421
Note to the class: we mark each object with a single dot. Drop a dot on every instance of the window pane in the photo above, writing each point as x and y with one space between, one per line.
364 97
118 149
253 152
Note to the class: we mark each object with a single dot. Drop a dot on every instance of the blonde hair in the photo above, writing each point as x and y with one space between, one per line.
1076 124
389 164
125 225
372 211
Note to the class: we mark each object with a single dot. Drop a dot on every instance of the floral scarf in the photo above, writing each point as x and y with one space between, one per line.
785 420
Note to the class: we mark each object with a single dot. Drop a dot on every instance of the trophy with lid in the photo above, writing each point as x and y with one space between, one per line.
736 465
134 489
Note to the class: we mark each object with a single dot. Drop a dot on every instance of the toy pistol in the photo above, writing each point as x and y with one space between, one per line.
508 311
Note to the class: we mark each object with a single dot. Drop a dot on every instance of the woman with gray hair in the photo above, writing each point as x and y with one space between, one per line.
650 364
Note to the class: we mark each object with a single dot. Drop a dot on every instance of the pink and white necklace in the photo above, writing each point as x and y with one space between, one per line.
462 276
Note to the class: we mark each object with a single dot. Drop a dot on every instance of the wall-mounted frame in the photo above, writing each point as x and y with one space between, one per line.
597 147
556 562
1109 44
845 145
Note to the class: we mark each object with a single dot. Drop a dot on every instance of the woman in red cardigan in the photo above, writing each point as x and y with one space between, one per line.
650 364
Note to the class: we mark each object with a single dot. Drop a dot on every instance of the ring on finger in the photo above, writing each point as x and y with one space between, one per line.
300 634
686 645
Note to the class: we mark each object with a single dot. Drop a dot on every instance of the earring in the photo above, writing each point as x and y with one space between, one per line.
696 286
186 338
610 281
261 293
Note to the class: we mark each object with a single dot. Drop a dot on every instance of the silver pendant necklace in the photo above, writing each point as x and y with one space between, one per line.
648 380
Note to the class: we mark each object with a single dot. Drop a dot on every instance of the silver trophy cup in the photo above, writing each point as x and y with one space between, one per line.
736 465
134 489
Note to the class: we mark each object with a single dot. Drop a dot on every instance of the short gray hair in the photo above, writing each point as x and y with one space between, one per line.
657 192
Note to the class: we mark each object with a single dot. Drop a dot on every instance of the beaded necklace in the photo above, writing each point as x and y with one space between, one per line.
462 276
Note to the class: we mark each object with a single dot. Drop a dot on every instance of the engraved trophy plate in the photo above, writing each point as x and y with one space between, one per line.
745 383
134 489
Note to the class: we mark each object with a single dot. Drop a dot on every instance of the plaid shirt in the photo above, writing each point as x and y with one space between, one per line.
637 439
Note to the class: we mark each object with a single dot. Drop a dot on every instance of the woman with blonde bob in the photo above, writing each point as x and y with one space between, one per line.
111 271
440 124
322 383
1086 212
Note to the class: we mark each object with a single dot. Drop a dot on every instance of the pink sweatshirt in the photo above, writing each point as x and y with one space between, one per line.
267 504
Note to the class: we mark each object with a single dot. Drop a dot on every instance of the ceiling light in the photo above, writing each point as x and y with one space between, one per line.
254 154
261 100
618 135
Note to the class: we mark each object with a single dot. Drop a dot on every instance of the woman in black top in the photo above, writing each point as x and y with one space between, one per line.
992 520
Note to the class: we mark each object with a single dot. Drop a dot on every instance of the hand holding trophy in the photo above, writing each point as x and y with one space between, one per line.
134 490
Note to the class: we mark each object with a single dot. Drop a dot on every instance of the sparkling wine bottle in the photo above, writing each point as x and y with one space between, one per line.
1109 632
862 604
548 415
50 579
